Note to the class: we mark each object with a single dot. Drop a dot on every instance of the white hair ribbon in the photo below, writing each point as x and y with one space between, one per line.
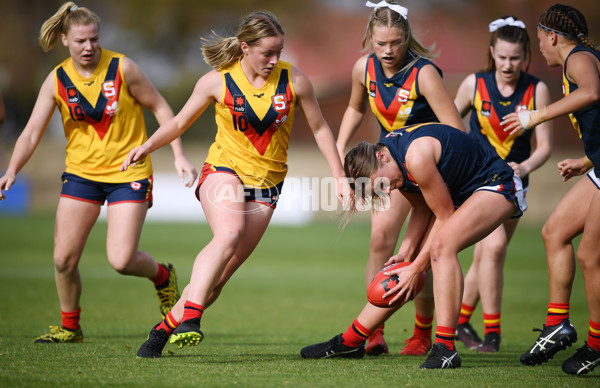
499 23
403 11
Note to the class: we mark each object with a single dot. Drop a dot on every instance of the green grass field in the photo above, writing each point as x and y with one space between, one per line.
302 285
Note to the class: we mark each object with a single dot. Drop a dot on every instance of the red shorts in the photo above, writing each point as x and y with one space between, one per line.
268 196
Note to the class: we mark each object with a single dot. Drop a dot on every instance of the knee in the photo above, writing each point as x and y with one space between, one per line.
228 241
125 261
586 259
440 248
383 240
121 266
65 263
552 234
496 251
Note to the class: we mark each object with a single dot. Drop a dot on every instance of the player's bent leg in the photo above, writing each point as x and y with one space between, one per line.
385 229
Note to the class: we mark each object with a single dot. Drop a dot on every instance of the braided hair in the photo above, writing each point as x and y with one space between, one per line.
567 22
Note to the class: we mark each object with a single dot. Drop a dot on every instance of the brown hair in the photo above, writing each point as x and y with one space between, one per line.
220 52
387 17
569 22
511 34
67 15
359 164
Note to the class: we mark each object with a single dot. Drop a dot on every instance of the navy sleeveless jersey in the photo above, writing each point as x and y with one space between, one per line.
587 120
464 165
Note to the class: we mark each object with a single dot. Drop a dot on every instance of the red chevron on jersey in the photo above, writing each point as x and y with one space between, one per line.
493 120
258 131
80 109
389 109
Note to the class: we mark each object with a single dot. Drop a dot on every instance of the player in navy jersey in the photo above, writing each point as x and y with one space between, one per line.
459 192
563 37
402 86
501 88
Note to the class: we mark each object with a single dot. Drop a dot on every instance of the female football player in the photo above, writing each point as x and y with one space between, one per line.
402 86
459 192
255 97
100 95
502 88
563 36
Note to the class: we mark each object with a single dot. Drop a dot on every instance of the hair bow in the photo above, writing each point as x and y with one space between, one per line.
403 11
499 23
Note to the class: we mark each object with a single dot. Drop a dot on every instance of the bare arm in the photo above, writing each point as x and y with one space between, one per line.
434 90
464 95
207 89
357 106
32 133
307 101
543 136
583 70
421 161
146 94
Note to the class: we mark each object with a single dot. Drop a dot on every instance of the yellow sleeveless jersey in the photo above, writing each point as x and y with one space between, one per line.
254 125
102 121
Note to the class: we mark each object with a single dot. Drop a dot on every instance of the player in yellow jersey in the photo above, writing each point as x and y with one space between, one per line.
255 96
100 95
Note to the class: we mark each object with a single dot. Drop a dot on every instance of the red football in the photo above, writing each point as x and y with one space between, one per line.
382 283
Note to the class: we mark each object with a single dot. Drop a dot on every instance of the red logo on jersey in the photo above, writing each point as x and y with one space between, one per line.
72 95
239 103
373 88
486 108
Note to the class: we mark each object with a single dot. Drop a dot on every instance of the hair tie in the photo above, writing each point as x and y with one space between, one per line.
509 21
403 11
580 35
564 34
73 8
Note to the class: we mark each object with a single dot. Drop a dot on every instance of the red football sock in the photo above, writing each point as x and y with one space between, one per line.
491 322
161 277
593 340
445 335
168 324
557 312
192 310
465 313
356 334
70 319
379 329
423 326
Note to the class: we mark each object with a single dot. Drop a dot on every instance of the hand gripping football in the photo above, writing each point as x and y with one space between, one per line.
382 283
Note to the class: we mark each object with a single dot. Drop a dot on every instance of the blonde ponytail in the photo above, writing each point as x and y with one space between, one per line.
67 15
221 52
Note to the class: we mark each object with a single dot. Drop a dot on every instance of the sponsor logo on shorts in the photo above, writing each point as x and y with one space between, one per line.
136 185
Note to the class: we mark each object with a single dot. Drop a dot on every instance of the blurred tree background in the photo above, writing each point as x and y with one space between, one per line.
323 38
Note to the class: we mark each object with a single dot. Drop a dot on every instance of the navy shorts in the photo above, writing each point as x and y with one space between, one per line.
267 196
82 189
512 190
